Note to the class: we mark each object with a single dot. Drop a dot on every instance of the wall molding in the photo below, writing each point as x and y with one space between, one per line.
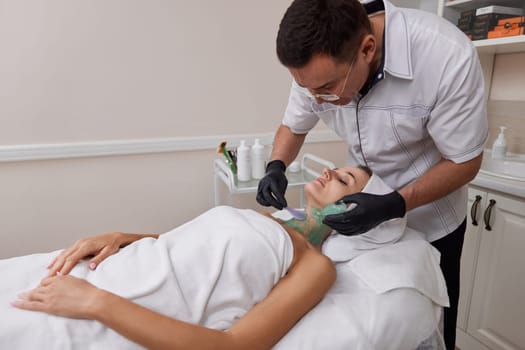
32 152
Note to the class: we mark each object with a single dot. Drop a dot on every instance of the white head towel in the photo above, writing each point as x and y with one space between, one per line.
341 248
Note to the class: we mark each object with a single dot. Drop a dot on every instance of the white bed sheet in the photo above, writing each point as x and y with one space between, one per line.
351 316
389 294
386 298
354 316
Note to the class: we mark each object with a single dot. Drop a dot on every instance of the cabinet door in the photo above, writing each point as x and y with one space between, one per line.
469 256
497 309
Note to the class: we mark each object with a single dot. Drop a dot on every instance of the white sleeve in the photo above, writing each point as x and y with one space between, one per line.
458 122
299 115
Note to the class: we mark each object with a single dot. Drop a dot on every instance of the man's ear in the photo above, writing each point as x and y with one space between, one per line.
368 48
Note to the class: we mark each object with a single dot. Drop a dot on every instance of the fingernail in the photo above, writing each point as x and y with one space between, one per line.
14 303
92 265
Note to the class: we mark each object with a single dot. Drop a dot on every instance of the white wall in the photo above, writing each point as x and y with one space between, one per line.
506 103
117 69
120 70
508 82
75 72
46 205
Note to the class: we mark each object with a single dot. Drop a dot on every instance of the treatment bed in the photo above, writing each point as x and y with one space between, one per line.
389 294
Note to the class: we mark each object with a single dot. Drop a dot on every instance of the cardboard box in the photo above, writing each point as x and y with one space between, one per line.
480 36
480 33
515 11
466 20
483 25
504 33
468 13
509 26
492 17
511 20
465 27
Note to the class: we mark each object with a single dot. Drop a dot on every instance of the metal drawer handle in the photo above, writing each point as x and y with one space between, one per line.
486 215
474 210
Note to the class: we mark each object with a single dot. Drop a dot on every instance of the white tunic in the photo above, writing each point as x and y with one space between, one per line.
428 104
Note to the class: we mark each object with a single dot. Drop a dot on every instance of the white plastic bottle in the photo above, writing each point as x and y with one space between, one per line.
258 160
499 148
244 168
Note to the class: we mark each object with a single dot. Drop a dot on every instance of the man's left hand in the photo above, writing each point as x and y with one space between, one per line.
370 211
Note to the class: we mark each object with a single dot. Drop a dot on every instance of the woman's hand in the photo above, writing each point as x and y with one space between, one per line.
66 296
100 247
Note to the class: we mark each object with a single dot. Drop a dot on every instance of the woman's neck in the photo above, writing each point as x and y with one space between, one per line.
312 227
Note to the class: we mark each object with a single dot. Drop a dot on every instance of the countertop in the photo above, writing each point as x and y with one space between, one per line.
502 184
511 187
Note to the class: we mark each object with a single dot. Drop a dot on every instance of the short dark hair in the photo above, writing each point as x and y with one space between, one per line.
310 27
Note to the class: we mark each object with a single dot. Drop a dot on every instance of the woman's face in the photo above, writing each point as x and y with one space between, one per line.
334 184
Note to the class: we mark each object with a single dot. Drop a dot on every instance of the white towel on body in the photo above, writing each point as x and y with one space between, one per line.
210 271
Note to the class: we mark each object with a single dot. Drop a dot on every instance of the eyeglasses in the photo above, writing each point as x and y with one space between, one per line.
336 97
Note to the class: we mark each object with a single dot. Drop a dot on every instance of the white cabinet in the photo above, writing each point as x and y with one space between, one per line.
491 312
476 202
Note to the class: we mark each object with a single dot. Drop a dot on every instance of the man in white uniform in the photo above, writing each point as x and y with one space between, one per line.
404 89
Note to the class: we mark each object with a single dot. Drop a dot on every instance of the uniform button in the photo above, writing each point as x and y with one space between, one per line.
380 75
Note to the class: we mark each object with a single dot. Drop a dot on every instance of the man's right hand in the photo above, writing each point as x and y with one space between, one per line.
273 186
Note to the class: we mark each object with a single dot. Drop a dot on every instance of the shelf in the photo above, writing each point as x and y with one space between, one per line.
451 11
463 5
511 44
307 173
295 179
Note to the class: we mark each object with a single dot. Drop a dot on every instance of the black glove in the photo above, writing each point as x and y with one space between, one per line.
371 210
273 185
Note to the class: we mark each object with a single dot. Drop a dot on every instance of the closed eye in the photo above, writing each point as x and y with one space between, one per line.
342 181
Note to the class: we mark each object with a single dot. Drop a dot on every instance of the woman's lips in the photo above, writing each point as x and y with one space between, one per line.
320 180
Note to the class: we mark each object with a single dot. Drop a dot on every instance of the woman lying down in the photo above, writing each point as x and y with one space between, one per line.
229 279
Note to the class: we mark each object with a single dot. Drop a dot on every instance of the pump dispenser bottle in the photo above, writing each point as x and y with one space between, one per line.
499 148
243 162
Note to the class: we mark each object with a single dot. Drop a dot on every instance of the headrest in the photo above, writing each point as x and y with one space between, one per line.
376 185
343 248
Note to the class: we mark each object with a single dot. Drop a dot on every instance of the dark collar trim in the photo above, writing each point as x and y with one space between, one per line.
374 6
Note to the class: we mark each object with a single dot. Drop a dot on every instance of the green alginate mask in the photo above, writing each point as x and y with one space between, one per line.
312 227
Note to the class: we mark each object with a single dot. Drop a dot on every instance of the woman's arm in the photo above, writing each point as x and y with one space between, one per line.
298 292
99 247
294 295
